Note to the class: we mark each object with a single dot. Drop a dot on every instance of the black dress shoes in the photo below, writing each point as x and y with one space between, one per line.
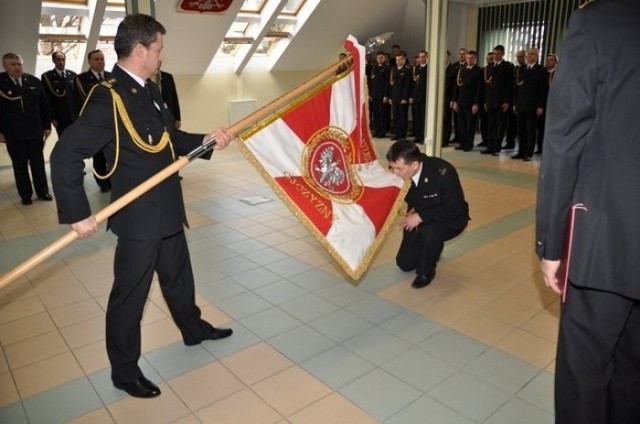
423 280
27 202
517 156
214 334
140 388
47 197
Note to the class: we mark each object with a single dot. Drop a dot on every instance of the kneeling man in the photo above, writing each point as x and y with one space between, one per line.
437 211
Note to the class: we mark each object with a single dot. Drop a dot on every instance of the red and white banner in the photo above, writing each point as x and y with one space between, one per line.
204 6
318 156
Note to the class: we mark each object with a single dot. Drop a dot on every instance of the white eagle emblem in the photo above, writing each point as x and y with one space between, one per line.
207 4
330 173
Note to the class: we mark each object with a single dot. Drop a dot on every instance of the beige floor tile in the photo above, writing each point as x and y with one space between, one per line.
333 409
551 367
239 408
256 363
189 419
196 220
8 390
529 295
205 385
99 416
24 328
46 374
528 347
274 238
152 313
4 367
159 334
404 295
543 325
163 409
315 257
18 289
92 357
468 296
62 295
84 333
35 349
291 390
445 313
483 327
215 316
20 309
508 311
100 286
76 312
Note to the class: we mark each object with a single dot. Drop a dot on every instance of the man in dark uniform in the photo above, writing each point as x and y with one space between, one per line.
550 72
467 100
83 84
150 229
25 124
400 86
419 97
437 211
498 99
449 83
484 115
512 119
590 157
378 92
529 103
58 86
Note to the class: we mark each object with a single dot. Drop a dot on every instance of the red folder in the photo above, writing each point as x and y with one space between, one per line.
563 271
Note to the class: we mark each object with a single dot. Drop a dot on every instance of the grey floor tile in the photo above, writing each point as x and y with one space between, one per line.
266 256
518 411
214 255
502 370
220 290
13 414
374 309
375 280
288 267
342 294
425 410
235 266
340 325
270 322
46 407
256 277
243 305
376 345
380 394
470 396
337 367
239 340
316 279
280 292
244 247
102 383
420 369
411 327
301 343
539 392
453 347
308 307
176 359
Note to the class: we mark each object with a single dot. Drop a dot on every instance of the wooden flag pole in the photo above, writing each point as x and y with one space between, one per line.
238 127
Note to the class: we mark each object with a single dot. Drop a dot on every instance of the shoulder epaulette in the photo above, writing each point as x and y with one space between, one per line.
587 3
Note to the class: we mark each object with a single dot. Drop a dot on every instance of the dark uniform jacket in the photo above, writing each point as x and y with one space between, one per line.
400 84
468 87
82 85
592 150
157 213
420 83
169 93
498 84
529 88
24 112
438 197
449 82
379 81
59 91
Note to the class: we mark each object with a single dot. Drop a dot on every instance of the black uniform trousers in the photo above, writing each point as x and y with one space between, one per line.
484 124
447 122
597 378
497 126
540 135
377 110
134 266
527 129
27 154
467 122
420 249
512 127
418 121
400 119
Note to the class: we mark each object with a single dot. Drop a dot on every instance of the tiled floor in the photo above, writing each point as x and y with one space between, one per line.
476 346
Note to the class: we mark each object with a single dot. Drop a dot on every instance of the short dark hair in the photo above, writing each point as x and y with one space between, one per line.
10 55
136 28
53 55
405 150
499 48
92 52
401 53
472 52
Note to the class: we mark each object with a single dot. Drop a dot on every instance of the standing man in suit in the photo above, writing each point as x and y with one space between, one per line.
83 84
419 96
25 124
529 103
467 100
591 157
58 86
550 72
498 99
378 92
401 87
150 230
449 82
437 211
512 119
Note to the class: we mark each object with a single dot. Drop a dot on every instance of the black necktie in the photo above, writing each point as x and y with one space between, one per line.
100 77
17 81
